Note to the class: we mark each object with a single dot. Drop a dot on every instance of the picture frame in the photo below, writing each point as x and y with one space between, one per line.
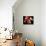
28 20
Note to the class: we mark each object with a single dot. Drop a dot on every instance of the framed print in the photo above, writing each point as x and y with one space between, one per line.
28 19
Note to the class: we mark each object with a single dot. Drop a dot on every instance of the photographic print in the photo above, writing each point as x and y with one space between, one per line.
28 20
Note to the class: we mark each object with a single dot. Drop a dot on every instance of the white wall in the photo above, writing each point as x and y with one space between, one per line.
29 8
32 30
43 22
6 13
6 16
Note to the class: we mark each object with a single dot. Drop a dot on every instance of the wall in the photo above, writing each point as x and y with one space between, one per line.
43 22
6 13
28 8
